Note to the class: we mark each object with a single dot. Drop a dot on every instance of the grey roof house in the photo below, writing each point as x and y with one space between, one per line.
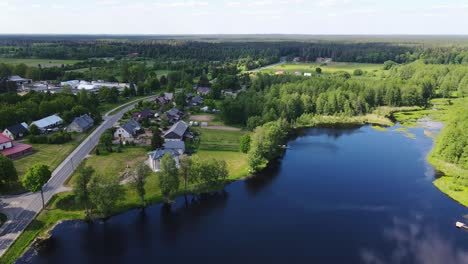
178 146
128 131
174 115
194 101
16 131
176 132
154 158
203 90
80 124
48 122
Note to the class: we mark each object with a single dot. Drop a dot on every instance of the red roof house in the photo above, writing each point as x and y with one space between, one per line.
13 150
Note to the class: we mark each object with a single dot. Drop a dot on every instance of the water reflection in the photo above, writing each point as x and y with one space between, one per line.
415 241
263 179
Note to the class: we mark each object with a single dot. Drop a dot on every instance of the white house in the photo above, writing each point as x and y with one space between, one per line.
48 122
154 158
307 74
128 131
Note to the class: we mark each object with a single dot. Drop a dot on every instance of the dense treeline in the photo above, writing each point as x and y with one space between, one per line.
289 97
452 143
33 106
254 53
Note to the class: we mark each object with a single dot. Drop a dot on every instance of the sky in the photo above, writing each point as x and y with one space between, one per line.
234 17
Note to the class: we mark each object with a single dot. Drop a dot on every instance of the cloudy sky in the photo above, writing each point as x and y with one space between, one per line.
234 16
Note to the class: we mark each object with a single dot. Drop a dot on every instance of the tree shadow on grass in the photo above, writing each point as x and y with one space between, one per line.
66 203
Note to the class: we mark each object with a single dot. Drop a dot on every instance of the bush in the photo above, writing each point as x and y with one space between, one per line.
358 72
57 138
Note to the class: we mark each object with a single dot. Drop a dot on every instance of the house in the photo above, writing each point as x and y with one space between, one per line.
203 90
307 74
128 131
161 100
178 146
169 96
176 132
73 83
279 72
80 124
13 150
144 114
154 158
16 131
19 80
194 101
49 122
323 60
205 109
297 73
229 93
174 115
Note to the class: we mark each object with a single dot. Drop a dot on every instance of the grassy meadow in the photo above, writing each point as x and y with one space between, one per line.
330 68
45 63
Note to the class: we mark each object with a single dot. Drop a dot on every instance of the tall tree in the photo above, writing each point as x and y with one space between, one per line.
35 178
81 188
168 177
8 172
104 193
139 176
185 170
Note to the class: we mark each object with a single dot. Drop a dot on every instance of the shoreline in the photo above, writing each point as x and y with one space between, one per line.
318 122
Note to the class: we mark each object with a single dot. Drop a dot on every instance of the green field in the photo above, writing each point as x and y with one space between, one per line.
219 140
114 164
237 163
330 68
45 63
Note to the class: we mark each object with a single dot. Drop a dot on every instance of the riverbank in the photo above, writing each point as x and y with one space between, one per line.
63 206
454 181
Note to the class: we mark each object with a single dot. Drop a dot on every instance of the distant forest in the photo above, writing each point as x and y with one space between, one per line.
205 50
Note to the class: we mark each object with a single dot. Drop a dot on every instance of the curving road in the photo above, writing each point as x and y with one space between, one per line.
22 209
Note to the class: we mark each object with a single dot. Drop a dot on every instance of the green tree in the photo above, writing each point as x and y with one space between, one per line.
185 170
245 143
139 175
318 70
168 177
180 100
105 193
106 141
81 187
156 140
34 130
8 172
35 178
358 72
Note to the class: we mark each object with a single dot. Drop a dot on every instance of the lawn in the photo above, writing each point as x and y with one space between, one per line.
114 164
219 139
330 68
236 161
45 63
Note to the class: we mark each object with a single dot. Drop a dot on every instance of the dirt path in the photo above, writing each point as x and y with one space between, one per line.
202 118
225 128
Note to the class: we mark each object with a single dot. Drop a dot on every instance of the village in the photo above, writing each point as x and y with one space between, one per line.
153 128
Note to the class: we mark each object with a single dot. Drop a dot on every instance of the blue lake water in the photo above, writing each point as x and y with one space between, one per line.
337 196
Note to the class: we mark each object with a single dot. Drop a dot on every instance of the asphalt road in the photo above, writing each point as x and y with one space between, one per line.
22 209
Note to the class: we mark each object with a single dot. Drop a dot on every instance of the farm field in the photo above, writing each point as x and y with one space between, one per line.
46 63
330 68
212 139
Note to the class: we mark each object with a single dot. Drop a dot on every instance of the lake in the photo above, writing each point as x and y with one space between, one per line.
337 196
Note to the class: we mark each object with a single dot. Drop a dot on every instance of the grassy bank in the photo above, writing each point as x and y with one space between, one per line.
454 183
64 207
310 120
